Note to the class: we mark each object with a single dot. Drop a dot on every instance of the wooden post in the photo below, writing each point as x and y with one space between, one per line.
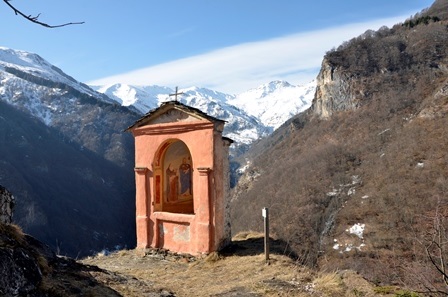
265 213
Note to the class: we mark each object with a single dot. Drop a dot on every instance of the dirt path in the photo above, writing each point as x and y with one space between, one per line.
239 271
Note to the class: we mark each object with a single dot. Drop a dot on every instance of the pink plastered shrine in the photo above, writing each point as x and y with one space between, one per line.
182 180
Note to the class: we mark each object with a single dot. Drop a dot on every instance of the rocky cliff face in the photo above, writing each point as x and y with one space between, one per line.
6 206
336 91
19 268
410 54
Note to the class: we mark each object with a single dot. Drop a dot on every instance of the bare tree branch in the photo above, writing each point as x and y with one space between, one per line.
434 243
35 19
440 269
438 240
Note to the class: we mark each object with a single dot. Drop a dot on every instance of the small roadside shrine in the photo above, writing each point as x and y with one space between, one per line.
182 180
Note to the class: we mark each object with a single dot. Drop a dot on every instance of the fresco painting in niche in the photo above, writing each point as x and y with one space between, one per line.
177 167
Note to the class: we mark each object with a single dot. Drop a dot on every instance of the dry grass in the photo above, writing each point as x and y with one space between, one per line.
209 276
14 232
330 284
242 271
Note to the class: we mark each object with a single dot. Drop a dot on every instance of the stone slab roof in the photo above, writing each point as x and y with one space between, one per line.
164 107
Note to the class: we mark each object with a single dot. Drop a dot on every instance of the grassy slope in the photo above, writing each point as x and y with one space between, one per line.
238 271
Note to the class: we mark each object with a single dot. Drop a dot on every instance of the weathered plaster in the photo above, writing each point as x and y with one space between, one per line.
207 227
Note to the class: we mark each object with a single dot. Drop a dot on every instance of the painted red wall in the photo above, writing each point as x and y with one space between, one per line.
201 232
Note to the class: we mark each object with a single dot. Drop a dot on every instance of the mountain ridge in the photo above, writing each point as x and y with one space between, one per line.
88 127
58 192
268 113
235 109
57 138
368 156
33 64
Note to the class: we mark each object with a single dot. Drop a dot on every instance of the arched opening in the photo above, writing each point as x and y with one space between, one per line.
176 178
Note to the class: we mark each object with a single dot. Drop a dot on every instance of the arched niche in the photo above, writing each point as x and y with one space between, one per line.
173 178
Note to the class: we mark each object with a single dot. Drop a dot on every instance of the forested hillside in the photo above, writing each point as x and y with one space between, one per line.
360 180
69 197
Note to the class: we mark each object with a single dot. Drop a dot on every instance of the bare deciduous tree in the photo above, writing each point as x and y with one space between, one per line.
436 249
435 244
35 18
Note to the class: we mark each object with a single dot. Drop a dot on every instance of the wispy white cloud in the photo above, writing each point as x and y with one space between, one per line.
181 32
295 58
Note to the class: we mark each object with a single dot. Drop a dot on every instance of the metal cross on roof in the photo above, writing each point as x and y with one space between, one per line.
176 93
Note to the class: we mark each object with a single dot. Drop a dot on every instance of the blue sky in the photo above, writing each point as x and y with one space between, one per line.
229 46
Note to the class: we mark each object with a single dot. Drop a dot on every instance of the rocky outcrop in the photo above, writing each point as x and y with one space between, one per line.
30 268
19 268
384 65
20 272
6 206
335 91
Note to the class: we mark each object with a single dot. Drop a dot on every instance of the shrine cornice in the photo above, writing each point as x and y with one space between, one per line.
175 128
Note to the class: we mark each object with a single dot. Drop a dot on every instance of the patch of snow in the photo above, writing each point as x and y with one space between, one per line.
348 247
356 180
333 193
244 168
357 229
46 117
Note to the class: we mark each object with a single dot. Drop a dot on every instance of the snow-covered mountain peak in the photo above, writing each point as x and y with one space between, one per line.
18 61
274 85
250 115
241 127
268 88
275 102
207 93
143 98
122 93
21 58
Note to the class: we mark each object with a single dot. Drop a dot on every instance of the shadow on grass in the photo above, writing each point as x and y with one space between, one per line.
250 245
